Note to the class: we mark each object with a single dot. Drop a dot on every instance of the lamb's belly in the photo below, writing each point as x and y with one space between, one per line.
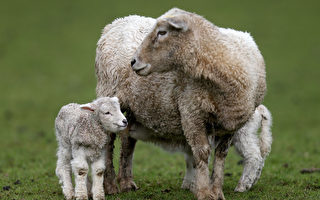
92 154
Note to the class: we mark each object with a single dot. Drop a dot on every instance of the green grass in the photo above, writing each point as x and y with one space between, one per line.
47 51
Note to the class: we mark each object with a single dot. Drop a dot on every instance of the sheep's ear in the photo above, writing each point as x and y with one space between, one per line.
177 23
87 106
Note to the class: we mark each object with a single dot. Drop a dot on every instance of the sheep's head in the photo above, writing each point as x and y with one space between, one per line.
168 46
107 111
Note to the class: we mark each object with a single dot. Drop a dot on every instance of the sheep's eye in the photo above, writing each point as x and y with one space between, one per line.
161 33
107 113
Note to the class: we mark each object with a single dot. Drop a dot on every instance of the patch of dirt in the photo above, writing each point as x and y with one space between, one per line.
285 165
228 174
312 187
166 190
6 188
309 170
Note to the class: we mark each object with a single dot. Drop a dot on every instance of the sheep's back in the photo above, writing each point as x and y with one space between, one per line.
114 52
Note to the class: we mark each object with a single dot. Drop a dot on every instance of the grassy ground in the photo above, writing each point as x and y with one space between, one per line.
47 52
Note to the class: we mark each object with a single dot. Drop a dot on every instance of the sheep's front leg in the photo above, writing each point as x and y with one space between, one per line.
110 184
98 168
125 176
189 178
80 169
195 133
221 152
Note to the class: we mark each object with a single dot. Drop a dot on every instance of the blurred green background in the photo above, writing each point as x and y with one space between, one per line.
47 52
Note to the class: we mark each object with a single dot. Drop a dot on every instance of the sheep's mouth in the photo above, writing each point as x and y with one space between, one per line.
139 70
143 71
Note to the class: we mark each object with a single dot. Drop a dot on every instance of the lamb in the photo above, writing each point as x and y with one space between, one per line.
81 132
254 150
150 101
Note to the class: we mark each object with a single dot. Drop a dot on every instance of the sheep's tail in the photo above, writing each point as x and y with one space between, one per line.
266 134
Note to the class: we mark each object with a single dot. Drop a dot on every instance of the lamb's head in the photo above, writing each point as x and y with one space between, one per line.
170 45
107 111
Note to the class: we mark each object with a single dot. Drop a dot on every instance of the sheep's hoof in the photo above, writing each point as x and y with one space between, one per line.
205 194
127 185
110 187
218 193
188 185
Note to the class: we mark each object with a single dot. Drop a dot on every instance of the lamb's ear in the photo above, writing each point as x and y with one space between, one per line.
115 99
178 23
88 106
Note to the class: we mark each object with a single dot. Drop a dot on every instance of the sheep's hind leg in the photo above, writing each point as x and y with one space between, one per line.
125 176
110 183
98 168
63 171
217 176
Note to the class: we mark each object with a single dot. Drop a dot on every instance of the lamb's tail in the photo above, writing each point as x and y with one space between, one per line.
266 134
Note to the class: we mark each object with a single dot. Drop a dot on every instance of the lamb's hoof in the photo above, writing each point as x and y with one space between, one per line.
99 197
240 188
68 194
127 185
81 196
110 187
244 186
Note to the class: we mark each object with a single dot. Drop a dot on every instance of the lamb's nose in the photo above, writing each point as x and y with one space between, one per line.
133 62
124 121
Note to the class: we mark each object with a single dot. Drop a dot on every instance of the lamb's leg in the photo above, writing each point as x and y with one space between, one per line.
125 176
189 178
217 176
98 168
63 171
80 169
110 184
246 143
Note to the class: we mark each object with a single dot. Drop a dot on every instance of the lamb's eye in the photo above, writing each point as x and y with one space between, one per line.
107 113
161 33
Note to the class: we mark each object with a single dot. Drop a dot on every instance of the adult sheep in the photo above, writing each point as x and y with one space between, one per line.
151 100
221 80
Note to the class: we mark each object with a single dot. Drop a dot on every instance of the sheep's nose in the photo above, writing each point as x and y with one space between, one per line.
124 121
133 62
